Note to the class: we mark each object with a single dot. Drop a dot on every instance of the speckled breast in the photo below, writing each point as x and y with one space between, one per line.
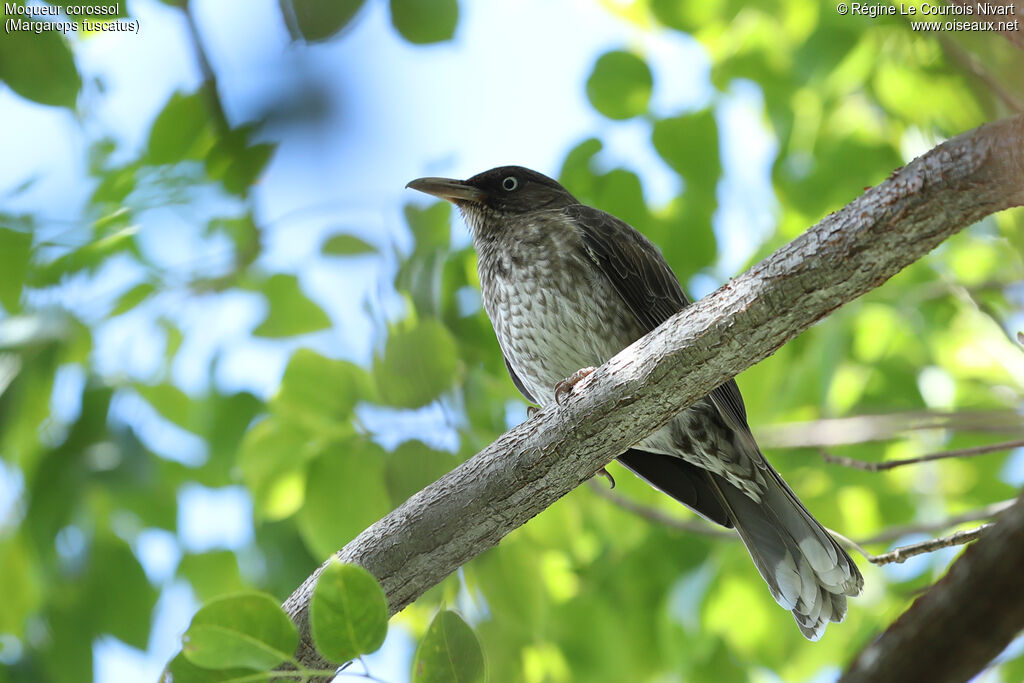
552 310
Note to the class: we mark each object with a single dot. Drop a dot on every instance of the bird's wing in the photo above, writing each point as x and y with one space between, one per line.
687 483
644 280
518 382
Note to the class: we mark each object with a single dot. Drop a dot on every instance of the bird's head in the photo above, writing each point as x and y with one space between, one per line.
500 192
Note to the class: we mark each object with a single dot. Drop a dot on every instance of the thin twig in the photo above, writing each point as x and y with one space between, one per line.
943 455
894 532
902 553
974 66
866 428
655 515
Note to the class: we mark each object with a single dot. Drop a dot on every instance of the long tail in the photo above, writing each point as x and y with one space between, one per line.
804 567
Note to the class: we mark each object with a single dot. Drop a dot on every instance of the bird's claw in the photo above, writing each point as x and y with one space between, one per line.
531 411
603 472
566 385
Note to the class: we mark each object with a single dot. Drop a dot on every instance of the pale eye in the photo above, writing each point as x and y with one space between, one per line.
510 183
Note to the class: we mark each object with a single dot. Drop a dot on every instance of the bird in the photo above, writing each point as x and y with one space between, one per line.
566 287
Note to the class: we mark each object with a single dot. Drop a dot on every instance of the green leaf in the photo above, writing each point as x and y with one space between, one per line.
418 365
425 21
39 66
133 297
24 589
15 248
348 613
346 245
178 131
620 85
431 227
272 459
412 466
170 401
317 20
246 630
88 257
317 386
449 652
235 162
180 670
118 597
345 493
689 144
576 173
212 574
291 312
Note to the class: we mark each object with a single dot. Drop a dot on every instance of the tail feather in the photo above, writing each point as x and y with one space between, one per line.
805 569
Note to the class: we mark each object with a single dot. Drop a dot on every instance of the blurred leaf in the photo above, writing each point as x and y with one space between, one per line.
115 185
178 131
419 364
22 588
171 402
448 652
412 466
317 387
346 245
320 19
133 297
181 670
272 460
117 595
39 65
86 258
247 630
15 248
425 21
348 613
576 173
430 226
235 161
689 144
620 85
291 312
345 493
227 419
212 574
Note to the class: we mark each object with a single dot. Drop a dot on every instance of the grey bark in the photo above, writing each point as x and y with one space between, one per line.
951 632
531 466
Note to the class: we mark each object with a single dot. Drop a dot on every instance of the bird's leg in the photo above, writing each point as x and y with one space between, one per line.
603 472
567 384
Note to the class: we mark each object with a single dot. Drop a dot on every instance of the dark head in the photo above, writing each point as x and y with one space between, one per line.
500 192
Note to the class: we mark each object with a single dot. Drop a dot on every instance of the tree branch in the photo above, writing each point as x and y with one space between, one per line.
905 552
930 457
839 431
531 466
962 622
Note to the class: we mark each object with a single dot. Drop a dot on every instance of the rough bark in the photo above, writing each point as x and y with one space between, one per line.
951 632
530 467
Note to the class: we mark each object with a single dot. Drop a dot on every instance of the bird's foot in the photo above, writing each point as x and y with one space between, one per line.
566 385
531 411
603 472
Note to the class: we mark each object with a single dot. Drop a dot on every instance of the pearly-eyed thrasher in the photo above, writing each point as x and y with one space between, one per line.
566 287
